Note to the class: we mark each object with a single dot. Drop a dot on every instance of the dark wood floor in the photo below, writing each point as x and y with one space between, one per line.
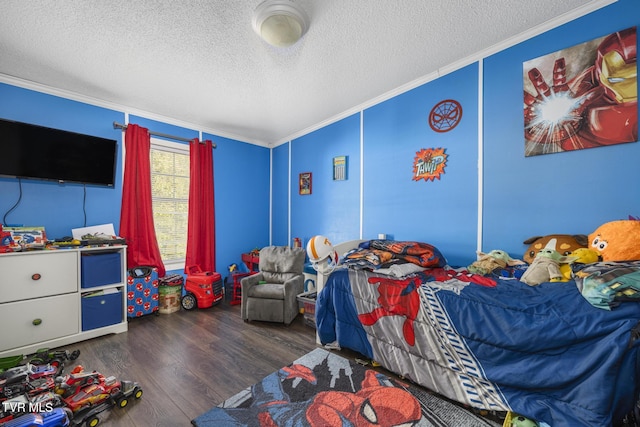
189 361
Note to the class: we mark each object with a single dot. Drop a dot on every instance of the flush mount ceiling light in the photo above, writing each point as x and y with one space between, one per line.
280 23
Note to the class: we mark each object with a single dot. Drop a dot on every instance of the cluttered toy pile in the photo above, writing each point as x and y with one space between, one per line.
35 391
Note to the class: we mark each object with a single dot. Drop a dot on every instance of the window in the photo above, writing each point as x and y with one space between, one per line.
170 197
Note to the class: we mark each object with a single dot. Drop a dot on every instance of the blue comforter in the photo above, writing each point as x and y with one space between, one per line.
542 351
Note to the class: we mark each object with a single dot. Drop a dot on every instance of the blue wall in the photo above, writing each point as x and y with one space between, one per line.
59 207
571 192
442 211
241 173
257 200
332 206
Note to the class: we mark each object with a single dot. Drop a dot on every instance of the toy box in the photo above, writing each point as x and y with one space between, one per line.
308 302
101 309
98 269
142 291
310 277
170 292
26 237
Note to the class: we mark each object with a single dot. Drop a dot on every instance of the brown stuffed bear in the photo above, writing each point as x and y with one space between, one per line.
565 244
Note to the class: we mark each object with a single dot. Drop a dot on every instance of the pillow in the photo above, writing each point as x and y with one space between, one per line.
606 284
361 258
422 254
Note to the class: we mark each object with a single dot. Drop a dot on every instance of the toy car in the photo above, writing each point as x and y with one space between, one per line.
128 389
10 362
57 417
78 378
54 357
93 394
23 404
13 382
88 414
46 399
29 378
202 289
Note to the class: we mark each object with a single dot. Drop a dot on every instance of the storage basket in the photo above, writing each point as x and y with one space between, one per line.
308 301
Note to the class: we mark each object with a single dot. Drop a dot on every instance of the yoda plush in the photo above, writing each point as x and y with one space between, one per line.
496 259
545 266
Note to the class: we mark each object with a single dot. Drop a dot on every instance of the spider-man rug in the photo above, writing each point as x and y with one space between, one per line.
324 389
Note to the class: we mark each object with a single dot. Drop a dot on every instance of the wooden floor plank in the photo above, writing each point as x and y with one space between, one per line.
190 361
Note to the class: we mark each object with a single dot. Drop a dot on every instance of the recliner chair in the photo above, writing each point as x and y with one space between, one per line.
281 269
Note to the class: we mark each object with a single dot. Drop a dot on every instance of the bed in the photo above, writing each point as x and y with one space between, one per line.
489 341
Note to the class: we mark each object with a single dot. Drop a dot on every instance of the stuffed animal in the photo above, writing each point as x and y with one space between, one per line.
617 240
582 256
565 244
517 420
496 259
545 266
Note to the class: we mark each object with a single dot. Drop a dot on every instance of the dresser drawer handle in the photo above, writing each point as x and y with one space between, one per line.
36 276
37 322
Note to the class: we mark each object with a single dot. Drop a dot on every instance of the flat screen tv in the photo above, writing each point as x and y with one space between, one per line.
37 152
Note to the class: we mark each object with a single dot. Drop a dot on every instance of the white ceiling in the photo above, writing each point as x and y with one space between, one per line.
198 63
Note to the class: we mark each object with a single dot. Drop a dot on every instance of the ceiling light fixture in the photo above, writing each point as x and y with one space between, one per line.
280 23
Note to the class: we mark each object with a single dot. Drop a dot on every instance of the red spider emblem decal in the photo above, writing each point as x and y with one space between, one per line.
445 115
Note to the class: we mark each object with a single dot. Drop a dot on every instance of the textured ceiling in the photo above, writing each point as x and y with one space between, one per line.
198 62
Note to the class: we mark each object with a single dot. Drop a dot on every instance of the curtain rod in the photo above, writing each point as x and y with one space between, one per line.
117 125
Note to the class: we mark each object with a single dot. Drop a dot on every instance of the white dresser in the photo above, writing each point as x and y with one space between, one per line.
58 297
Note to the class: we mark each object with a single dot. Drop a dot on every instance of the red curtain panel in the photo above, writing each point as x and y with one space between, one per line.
201 234
136 216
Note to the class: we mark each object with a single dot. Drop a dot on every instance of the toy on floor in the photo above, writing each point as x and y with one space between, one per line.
87 394
56 417
202 289
564 244
494 260
56 358
545 266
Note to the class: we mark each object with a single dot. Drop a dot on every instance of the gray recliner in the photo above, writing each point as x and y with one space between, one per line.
281 269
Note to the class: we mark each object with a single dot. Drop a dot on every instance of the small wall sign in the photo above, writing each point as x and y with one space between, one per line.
304 180
429 164
340 168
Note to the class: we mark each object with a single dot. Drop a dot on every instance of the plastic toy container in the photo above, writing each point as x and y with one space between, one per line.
169 298
98 269
310 277
308 302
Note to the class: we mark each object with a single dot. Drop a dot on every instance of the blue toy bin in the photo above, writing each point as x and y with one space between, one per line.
99 269
102 309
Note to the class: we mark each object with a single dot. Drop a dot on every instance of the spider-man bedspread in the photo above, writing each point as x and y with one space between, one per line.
542 351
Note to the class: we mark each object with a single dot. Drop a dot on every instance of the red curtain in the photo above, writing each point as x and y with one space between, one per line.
201 235
136 216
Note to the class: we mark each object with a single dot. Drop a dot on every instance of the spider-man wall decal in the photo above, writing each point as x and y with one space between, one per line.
445 115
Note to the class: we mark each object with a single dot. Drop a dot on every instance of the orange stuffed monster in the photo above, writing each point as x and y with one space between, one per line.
617 240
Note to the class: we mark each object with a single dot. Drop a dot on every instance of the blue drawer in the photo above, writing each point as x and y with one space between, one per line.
101 310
